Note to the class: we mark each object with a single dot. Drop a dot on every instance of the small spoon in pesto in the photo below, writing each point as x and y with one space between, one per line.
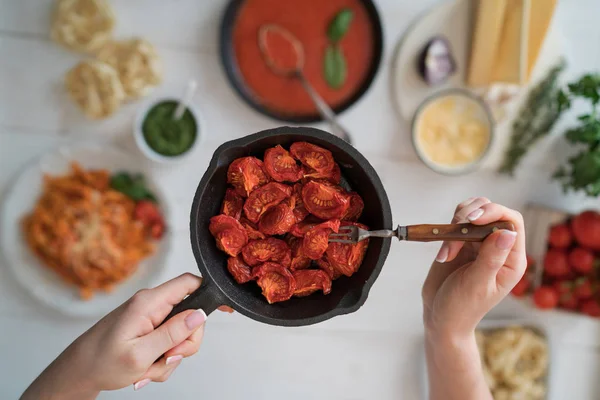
185 100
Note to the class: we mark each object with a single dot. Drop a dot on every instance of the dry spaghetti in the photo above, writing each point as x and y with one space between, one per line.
85 231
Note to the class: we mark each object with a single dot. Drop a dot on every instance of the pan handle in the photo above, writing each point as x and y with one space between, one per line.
205 297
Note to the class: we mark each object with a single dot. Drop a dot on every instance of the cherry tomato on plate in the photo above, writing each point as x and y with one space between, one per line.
584 289
586 229
581 260
560 236
556 263
521 287
545 297
149 214
591 308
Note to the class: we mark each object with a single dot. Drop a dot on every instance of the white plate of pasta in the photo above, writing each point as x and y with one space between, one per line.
76 238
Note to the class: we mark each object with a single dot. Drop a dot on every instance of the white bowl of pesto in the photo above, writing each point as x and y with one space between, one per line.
452 132
162 138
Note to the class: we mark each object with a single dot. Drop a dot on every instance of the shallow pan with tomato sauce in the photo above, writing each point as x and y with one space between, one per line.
220 288
281 97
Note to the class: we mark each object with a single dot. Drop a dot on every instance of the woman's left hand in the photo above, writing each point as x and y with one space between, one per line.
126 346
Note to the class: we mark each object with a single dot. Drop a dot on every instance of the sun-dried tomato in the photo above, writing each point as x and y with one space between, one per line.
246 174
299 229
309 281
299 210
251 229
328 269
355 207
316 158
240 271
324 201
278 220
281 166
230 234
232 204
299 260
265 197
346 258
270 249
333 176
276 281
316 240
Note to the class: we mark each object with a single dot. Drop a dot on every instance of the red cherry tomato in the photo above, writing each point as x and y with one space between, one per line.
521 287
591 308
545 297
316 240
240 271
230 235
347 258
556 263
309 281
355 207
568 301
265 197
530 261
560 236
232 204
314 157
324 201
584 289
581 260
269 249
586 229
563 286
276 281
148 213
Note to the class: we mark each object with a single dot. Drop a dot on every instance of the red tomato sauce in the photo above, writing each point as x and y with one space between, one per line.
308 21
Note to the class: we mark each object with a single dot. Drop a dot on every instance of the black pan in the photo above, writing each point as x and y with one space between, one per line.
237 81
219 288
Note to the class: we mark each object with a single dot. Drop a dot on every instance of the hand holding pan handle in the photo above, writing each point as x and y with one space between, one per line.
207 297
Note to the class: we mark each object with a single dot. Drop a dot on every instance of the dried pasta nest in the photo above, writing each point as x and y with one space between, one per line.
137 63
96 88
82 25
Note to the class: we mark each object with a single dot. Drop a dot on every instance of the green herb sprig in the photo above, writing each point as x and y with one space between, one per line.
537 116
131 185
335 68
582 171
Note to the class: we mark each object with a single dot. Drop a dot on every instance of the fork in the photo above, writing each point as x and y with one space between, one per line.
351 234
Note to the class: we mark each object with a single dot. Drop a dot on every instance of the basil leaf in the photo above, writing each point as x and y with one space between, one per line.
334 67
339 25
120 181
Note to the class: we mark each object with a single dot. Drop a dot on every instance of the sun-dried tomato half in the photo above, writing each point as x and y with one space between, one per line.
299 229
278 220
346 258
314 157
333 176
230 234
324 201
281 166
355 208
328 269
309 281
246 174
240 271
276 281
316 240
232 204
270 249
265 197
299 260
251 229
300 211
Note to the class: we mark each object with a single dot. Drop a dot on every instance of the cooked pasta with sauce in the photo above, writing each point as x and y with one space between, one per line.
85 231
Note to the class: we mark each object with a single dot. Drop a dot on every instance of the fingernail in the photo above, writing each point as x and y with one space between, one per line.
141 384
442 255
475 214
195 319
173 359
506 239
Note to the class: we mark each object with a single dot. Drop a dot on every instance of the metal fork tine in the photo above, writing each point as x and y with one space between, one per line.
341 241
339 235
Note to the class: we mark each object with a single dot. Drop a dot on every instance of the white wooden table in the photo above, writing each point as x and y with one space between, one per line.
375 353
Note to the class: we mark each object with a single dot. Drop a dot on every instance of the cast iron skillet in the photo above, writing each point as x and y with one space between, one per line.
219 288
237 81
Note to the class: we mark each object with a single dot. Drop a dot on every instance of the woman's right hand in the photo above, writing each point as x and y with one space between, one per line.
126 347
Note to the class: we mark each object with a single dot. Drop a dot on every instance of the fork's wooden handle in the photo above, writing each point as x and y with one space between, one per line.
454 232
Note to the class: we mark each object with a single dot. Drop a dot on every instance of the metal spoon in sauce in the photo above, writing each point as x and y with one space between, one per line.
295 71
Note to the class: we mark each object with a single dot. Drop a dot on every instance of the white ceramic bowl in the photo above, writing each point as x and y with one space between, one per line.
141 141
450 170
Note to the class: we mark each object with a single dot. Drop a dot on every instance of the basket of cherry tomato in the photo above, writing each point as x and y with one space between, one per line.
567 274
